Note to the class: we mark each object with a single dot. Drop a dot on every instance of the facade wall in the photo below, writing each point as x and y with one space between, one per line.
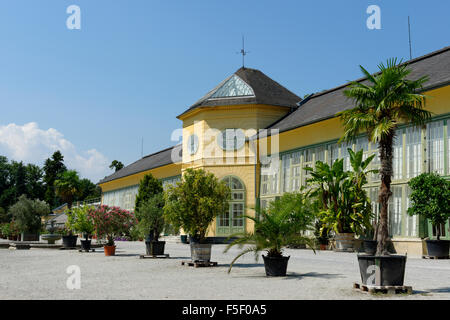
416 150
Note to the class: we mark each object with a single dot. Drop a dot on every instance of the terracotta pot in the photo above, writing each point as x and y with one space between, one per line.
110 250
323 246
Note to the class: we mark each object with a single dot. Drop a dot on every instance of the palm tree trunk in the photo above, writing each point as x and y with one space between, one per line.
385 193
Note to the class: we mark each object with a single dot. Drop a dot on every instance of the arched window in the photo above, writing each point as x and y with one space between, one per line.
232 221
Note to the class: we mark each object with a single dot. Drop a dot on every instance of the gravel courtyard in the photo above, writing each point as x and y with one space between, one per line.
41 274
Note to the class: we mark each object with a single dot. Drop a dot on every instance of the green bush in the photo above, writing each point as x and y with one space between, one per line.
430 197
151 216
195 202
79 221
27 214
343 201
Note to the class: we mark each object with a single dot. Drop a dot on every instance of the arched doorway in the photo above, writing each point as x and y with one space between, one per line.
232 221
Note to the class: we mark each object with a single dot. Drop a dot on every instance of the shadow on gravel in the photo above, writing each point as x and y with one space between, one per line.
439 290
126 255
314 275
241 265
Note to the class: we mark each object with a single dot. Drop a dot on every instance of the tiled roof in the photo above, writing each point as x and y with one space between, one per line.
266 91
325 105
152 161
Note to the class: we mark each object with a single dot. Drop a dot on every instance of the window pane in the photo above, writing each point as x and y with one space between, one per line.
411 221
395 211
320 154
398 155
286 172
413 152
333 153
234 87
345 155
435 148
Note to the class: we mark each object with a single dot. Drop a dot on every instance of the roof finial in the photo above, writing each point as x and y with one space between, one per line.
243 52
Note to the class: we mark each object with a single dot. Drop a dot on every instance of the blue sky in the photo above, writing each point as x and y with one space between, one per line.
135 65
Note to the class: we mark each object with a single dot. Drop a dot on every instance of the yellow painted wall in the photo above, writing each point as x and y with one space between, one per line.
207 123
170 170
255 117
438 102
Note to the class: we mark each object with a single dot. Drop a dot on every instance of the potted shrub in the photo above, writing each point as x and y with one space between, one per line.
193 204
343 203
79 221
151 221
378 106
284 222
109 223
321 235
430 197
69 240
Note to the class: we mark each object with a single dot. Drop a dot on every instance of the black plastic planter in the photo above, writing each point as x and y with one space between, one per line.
85 245
438 248
69 241
382 270
183 238
275 266
370 246
155 248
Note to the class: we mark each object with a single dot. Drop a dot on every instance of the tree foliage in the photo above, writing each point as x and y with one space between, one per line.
27 213
195 202
151 216
68 186
149 186
54 167
430 197
79 221
116 165
383 102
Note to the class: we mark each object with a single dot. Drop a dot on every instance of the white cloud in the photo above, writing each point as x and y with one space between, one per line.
31 144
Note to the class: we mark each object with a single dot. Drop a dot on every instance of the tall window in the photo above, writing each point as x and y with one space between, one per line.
333 153
286 174
232 220
345 155
398 155
395 211
413 152
411 221
362 143
269 177
435 138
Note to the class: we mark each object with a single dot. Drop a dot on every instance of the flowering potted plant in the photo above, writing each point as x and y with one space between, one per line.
111 222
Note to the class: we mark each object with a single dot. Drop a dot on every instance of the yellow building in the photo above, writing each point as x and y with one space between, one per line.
258 136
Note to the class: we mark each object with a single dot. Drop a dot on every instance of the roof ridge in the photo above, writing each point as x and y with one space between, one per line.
155 153
409 62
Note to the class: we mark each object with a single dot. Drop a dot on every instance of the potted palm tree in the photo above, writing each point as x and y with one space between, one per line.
109 223
284 222
382 102
79 221
151 221
430 197
340 196
193 204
